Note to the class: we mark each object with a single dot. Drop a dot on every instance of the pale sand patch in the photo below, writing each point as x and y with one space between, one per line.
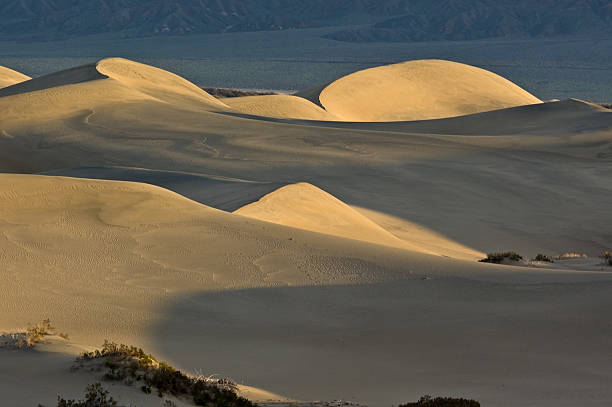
10 77
307 207
280 106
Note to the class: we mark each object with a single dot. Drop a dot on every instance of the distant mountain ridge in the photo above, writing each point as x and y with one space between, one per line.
397 20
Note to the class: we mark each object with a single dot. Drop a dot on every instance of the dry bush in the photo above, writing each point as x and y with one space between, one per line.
428 401
571 255
543 257
497 258
33 335
95 396
220 93
130 364
607 257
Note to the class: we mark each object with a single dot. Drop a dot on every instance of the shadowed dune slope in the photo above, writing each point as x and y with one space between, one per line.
68 241
280 106
307 207
224 193
9 77
565 117
418 90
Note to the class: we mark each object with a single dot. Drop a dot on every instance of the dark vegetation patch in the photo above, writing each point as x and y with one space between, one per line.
132 366
606 105
543 257
498 258
95 396
428 401
607 257
235 93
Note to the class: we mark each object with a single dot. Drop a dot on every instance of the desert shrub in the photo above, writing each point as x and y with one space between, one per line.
543 257
607 257
95 396
571 255
499 257
428 401
129 364
33 335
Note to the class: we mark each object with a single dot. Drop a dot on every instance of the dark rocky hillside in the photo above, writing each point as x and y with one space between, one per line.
481 19
396 20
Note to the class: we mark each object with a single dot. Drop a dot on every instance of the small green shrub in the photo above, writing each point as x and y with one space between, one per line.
499 257
428 401
95 396
607 257
543 257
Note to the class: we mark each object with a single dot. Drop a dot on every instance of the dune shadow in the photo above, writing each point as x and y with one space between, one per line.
224 193
383 344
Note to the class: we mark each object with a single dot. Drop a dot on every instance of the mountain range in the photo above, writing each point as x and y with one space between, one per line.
357 20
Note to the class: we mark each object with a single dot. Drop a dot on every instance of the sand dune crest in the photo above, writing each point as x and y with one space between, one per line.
305 206
10 77
418 90
109 81
280 106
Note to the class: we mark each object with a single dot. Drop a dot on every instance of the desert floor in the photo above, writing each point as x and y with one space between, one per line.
321 246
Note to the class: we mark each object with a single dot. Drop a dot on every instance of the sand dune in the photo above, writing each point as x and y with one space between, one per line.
281 106
9 77
139 264
568 117
417 90
53 376
108 81
307 207
227 194
352 249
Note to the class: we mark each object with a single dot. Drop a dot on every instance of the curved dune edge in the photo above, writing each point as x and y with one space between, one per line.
279 106
418 90
9 77
304 206
54 358
108 81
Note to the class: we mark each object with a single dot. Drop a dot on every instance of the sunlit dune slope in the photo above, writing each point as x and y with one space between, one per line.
280 106
418 90
305 206
9 77
79 250
109 81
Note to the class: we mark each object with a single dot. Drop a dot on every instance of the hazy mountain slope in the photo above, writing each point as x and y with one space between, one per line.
479 19
402 20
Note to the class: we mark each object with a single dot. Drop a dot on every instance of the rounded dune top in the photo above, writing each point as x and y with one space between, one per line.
114 80
154 81
8 77
420 90
279 106
304 206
